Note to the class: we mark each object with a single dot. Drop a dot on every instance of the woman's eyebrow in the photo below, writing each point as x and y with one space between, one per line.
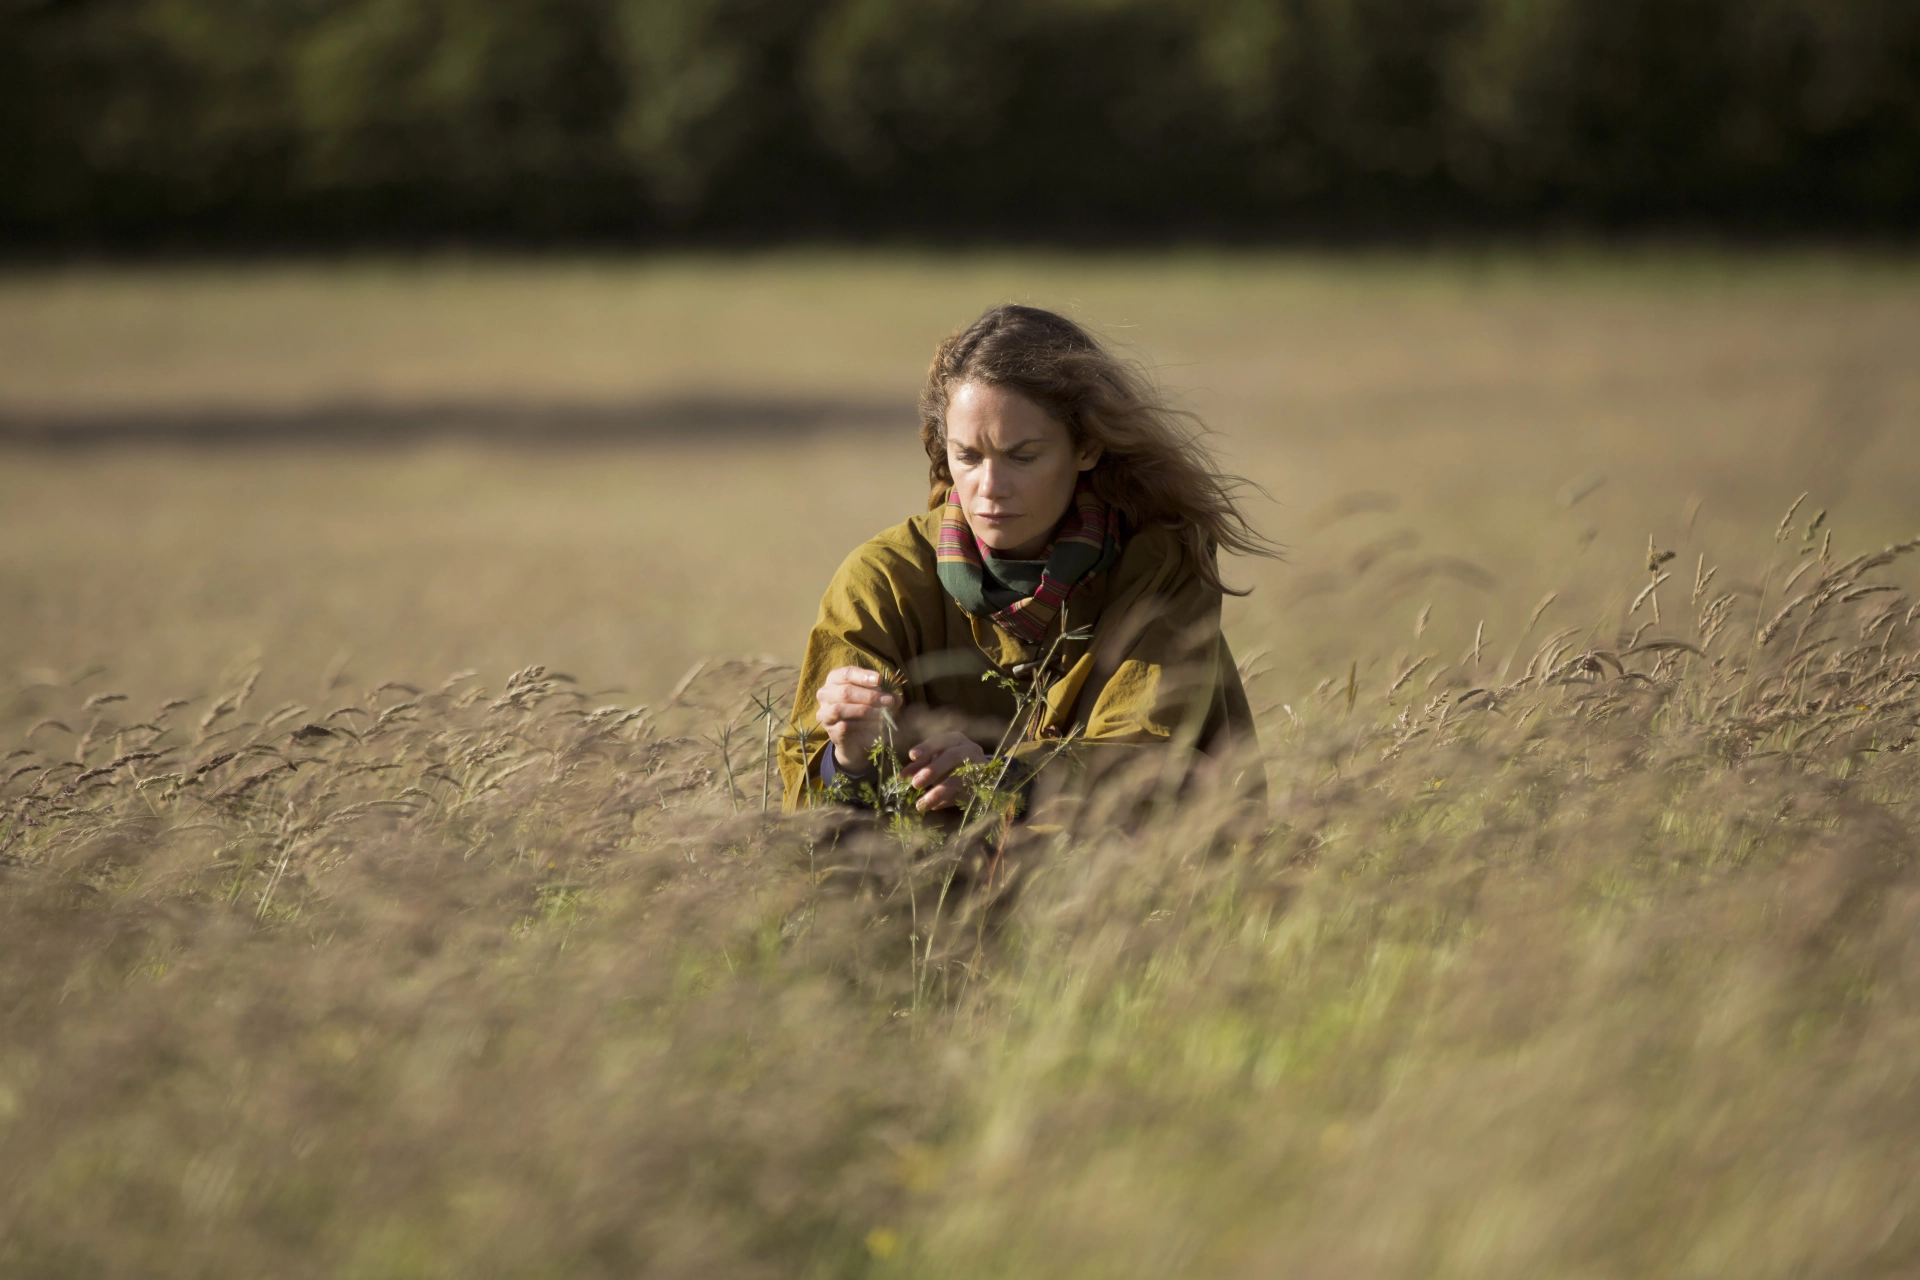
1015 447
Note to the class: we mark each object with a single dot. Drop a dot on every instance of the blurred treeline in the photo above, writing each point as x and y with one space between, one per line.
131 121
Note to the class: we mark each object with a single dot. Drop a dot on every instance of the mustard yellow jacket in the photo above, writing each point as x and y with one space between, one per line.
1155 670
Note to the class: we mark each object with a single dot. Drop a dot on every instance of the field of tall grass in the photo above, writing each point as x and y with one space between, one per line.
389 888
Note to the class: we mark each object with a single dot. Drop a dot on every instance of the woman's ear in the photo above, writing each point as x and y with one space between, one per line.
1089 455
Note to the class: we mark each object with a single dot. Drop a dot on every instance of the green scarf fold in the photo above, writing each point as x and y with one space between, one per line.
1024 596
1004 583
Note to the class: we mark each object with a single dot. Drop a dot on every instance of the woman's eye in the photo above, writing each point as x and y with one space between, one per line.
1022 458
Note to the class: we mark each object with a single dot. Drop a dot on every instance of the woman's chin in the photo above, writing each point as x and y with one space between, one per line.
1002 540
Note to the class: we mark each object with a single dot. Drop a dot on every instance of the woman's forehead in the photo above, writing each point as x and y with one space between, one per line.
980 415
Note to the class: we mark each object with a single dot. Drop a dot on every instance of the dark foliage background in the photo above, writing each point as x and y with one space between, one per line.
125 122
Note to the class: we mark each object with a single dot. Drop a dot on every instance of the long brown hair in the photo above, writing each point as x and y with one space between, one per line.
1153 466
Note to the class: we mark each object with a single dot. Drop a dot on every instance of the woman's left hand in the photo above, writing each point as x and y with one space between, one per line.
930 768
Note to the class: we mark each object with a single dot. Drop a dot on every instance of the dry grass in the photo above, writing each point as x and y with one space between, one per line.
1477 395
1581 942
1605 966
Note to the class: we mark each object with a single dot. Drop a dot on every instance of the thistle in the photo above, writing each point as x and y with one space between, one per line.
768 709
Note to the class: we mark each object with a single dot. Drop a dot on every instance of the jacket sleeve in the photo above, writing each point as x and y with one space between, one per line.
1163 653
1159 673
1153 670
863 622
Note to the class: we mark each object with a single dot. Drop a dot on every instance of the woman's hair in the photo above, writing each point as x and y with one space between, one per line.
1152 465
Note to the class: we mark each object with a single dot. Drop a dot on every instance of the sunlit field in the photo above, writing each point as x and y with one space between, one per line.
388 891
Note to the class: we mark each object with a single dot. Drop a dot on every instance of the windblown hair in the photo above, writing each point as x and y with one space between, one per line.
1153 466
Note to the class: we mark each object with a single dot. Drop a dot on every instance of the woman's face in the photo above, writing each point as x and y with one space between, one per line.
1013 467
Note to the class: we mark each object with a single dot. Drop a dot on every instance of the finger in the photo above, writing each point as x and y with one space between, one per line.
955 741
940 766
937 743
852 702
946 795
945 762
847 712
855 676
949 762
857 694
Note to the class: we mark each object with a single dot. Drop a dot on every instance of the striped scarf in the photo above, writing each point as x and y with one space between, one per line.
1087 542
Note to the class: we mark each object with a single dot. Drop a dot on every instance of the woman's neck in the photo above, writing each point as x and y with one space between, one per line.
1029 551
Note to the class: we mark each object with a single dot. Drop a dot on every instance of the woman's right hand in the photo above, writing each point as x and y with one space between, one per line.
851 701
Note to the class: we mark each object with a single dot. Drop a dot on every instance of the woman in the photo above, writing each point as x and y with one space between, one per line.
1072 517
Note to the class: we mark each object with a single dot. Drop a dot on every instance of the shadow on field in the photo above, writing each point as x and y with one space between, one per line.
361 423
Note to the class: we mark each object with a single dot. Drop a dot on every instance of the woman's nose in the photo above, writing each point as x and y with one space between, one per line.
993 480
